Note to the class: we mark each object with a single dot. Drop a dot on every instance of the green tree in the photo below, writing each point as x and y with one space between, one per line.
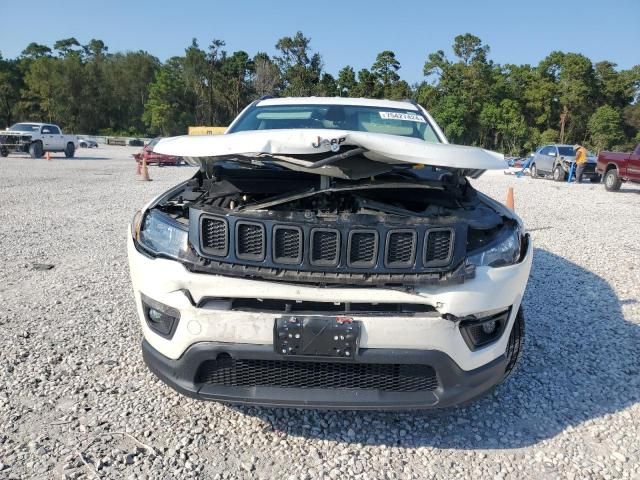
574 79
236 71
300 68
605 128
36 50
347 81
10 85
167 111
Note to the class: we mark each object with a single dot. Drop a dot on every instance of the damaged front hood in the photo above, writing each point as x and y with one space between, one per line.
340 153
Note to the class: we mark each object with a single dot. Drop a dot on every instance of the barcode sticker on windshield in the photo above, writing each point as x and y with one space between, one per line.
409 117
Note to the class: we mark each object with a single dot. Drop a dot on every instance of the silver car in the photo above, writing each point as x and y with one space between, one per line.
556 160
87 143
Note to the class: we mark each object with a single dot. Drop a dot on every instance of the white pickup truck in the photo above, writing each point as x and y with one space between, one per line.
36 139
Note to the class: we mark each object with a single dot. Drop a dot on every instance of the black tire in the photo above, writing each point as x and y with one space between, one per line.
533 169
4 152
612 181
35 150
515 346
559 174
70 150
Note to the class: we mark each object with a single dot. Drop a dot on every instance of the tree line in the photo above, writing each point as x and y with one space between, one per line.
511 108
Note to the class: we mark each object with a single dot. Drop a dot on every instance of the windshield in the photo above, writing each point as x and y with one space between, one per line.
391 121
566 151
24 127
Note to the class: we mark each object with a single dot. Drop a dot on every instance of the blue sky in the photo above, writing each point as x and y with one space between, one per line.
345 32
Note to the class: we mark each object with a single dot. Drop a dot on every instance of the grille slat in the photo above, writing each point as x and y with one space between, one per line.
438 246
363 247
325 247
250 241
215 237
324 375
287 244
401 248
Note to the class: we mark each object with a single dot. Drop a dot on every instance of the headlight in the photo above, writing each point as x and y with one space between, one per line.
163 235
502 252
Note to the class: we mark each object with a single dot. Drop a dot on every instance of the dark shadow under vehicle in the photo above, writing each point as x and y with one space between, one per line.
580 362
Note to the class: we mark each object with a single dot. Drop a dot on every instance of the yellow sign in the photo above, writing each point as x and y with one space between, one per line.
206 130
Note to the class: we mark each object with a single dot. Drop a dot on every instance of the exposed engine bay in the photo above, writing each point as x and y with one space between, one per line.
405 227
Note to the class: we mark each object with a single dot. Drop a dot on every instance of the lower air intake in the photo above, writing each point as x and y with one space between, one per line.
325 375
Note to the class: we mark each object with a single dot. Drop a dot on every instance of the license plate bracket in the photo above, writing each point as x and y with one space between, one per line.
316 336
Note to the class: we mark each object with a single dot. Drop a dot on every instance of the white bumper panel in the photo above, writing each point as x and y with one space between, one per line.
164 281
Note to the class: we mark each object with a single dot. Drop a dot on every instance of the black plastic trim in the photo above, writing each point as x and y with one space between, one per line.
213 251
284 260
161 307
456 386
409 263
438 263
376 243
336 258
250 256
502 319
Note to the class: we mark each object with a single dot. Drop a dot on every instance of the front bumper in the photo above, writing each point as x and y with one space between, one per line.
429 338
455 386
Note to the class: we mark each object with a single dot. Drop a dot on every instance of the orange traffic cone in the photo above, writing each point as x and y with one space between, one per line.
145 171
510 203
47 156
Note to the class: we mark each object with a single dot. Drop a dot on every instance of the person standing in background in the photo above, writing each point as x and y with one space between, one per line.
581 160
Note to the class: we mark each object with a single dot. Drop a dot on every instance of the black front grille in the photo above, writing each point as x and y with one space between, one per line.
325 246
324 375
363 247
341 250
438 247
215 236
287 244
401 248
250 241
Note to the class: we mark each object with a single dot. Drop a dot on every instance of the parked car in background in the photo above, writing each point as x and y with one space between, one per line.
36 139
150 156
87 143
556 160
618 167
521 162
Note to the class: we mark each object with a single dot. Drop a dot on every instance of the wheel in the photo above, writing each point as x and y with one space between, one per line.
558 174
612 181
35 150
4 152
515 345
82 145
70 150
534 171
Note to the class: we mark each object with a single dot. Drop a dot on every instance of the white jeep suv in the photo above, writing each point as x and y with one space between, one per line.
330 253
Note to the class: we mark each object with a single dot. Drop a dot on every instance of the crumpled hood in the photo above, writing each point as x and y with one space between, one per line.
301 148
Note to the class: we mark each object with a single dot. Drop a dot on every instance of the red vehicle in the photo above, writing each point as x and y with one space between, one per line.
618 167
150 156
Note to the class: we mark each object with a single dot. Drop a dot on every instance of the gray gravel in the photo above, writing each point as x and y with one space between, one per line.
76 400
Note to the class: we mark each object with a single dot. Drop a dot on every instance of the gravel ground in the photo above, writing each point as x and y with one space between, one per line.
76 400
